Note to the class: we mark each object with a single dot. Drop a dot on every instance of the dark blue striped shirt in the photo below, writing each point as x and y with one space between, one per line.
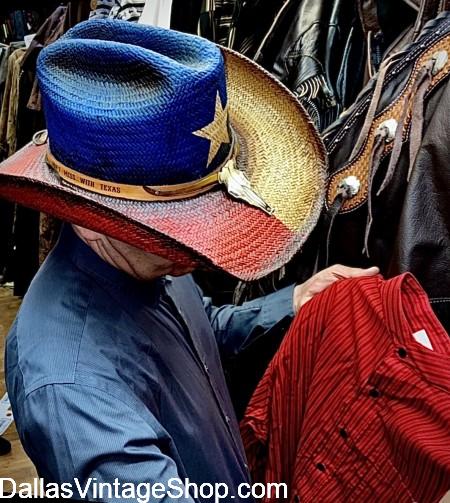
114 378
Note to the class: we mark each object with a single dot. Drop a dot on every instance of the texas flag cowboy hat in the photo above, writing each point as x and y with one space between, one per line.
174 145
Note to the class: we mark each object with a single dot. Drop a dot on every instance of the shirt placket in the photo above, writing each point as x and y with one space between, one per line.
202 361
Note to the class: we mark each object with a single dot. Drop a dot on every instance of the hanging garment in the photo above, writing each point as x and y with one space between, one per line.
355 406
157 13
4 51
389 26
50 31
19 224
308 47
252 21
7 246
6 208
9 110
34 234
240 25
184 14
215 20
127 10
19 23
403 227
79 11
28 236
389 179
101 8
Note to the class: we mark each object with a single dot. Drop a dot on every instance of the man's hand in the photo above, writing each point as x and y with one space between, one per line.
323 279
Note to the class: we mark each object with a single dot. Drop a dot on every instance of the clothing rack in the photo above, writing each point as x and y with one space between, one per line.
25 233
24 17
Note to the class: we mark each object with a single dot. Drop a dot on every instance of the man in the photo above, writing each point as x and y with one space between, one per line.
161 165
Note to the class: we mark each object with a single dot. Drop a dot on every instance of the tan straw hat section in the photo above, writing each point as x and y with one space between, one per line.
281 151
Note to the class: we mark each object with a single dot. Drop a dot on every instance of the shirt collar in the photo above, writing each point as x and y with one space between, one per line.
84 258
408 313
407 309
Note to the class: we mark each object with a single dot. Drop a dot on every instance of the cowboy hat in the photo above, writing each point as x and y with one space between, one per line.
174 145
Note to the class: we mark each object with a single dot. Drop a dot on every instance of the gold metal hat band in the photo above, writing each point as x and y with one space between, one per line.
234 180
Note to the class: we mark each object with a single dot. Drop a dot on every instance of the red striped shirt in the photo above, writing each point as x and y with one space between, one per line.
352 407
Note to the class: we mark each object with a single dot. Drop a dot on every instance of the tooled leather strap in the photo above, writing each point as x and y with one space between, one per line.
359 166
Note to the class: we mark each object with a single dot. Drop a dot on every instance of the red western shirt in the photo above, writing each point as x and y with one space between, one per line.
355 406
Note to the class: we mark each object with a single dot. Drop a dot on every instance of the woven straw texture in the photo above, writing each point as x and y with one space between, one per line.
131 96
280 151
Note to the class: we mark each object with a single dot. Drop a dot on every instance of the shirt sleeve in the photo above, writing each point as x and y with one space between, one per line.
80 431
237 326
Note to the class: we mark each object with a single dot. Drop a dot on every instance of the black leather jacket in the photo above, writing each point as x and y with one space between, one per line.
320 49
410 227
308 47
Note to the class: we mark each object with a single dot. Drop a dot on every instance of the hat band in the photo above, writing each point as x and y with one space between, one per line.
235 181
133 192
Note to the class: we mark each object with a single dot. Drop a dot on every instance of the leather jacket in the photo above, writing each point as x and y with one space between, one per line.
308 47
320 49
399 218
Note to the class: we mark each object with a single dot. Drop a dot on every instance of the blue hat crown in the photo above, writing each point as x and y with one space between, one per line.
135 104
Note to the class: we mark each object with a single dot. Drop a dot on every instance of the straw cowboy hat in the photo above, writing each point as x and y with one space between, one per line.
174 145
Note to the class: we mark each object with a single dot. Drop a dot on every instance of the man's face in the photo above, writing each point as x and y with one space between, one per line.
135 262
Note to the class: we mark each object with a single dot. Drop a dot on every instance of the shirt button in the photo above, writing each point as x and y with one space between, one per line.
227 419
343 433
374 393
321 467
402 353
205 367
